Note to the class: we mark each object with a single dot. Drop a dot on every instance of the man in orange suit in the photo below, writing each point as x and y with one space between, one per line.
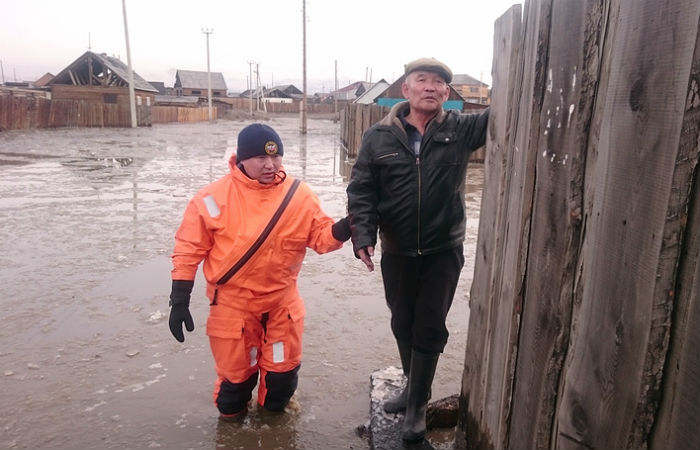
256 317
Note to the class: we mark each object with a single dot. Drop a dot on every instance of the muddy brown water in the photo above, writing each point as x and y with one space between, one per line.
86 230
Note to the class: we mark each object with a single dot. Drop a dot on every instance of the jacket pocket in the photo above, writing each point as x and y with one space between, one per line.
225 327
296 311
445 137
292 255
386 156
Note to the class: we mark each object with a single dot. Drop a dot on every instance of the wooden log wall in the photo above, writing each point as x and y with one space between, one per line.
584 317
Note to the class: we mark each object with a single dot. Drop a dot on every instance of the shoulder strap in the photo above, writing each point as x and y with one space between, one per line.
259 241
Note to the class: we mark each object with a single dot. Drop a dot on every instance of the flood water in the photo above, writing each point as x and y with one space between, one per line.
87 219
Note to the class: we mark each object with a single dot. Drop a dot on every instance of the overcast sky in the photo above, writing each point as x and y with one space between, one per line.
369 39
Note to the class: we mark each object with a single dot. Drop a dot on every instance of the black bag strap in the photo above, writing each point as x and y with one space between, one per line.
259 241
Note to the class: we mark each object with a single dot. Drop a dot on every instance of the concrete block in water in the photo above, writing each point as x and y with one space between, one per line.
385 428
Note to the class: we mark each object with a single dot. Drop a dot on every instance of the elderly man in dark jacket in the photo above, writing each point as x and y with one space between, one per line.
408 183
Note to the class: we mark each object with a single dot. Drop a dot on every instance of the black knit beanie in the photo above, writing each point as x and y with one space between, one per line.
258 139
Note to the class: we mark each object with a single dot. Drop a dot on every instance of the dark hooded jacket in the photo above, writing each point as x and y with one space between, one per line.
416 202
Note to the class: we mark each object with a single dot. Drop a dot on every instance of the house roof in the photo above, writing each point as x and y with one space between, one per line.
194 79
159 85
78 72
275 92
372 93
466 79
288 89
352 87
44 80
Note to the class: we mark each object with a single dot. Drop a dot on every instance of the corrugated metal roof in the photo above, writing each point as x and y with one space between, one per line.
193 79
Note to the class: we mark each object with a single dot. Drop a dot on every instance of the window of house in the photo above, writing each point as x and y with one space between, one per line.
196 92
110 98
138 100
148 101
473 89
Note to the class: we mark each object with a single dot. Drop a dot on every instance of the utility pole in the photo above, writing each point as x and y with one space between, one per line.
208 31
250 88
481 76
132 95
302 128
335 91
260 89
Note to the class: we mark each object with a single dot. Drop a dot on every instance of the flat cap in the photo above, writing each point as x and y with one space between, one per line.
430 65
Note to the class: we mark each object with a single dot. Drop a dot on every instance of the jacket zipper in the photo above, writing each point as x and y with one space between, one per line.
419 202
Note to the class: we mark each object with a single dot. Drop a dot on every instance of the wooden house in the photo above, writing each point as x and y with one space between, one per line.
392 95
473 90
196 84
96 77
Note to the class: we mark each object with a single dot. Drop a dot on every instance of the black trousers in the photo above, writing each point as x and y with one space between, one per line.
419 291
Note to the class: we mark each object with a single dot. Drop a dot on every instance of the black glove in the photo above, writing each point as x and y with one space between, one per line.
180 308
341 229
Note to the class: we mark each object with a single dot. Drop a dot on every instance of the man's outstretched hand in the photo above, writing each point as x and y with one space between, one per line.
366 254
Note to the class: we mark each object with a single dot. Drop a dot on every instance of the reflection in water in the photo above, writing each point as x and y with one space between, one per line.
303 141
253 430
101 171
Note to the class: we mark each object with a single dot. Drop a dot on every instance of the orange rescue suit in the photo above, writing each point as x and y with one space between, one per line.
256 317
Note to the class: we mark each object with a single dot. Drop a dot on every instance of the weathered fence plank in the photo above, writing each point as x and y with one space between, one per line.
677 424
558 140
491 224
628 265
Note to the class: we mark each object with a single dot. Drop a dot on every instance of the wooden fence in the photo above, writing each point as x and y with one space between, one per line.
357 118
21 113
584 323
244 104
166 114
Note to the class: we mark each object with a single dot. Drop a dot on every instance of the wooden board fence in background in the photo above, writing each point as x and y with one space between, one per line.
23 113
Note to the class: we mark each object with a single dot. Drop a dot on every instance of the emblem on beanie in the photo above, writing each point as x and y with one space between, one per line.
271 147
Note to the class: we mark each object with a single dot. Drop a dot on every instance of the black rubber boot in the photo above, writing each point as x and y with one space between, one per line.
420 381
398 403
